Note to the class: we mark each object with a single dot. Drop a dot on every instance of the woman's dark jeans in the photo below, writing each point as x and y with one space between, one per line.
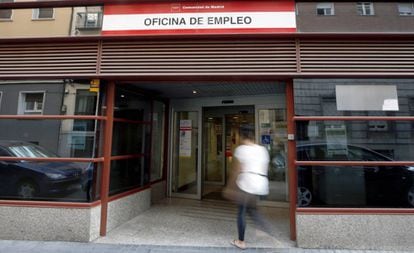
248 205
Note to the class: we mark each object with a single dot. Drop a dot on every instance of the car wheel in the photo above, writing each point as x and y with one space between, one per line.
304 196
410 196
26 190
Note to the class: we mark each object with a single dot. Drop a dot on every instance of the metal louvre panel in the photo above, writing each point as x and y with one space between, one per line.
198 58
356 56
57 59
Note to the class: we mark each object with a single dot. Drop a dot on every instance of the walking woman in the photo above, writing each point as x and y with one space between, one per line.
252 180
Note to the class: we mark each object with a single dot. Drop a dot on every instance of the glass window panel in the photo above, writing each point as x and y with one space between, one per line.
130 139
346 97
325 8
43 13
365 8
58 140
31 102
273 136
344 140
50 181
128 174
157 152
131 105
185 152
405 9
356 186
6 13
61 97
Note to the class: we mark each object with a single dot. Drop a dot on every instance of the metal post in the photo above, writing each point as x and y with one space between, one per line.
106 171
292 172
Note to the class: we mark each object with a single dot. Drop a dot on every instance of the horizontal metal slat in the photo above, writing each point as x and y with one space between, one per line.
49 59
205 71
353 56
209 63
341 70
199 57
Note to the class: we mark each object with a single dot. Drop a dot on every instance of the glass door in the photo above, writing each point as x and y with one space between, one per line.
185 173
221 135
213 151
214 170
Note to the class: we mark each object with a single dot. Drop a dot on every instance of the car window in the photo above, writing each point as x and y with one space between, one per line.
360 154
328 153
30 151
3 152
302 156
317 153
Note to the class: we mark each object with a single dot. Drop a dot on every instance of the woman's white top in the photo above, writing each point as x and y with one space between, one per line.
254 161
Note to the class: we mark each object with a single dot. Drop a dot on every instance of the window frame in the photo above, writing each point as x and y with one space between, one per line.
401 14
332 8
1 98
36 12
363 6
11 12
21 108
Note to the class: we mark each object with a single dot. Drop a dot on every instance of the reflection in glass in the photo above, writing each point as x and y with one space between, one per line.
213 150
273 136
353 97
355 186
29 150
185 152
131 105
393 139
28 180
54 135
129 138
128 174
157 145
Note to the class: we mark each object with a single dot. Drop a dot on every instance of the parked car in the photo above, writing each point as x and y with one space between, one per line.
36 180
358 186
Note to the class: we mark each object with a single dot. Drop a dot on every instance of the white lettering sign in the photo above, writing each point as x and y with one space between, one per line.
199 21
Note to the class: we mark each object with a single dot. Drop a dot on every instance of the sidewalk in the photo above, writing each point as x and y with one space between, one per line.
73 247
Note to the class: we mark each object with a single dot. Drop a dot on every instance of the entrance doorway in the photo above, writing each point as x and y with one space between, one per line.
204 140
222 127
204 132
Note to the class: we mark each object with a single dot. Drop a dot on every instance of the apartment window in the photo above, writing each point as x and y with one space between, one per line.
6 14
406 9
43 13
31 102
325 9
365 8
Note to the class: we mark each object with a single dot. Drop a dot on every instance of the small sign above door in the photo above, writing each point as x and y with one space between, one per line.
227 17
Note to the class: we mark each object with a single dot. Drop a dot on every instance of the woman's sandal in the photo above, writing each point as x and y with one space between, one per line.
239 244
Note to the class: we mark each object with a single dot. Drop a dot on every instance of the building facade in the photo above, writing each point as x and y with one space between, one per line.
155 109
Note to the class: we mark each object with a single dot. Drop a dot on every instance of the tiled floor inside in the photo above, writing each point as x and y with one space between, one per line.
207 223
